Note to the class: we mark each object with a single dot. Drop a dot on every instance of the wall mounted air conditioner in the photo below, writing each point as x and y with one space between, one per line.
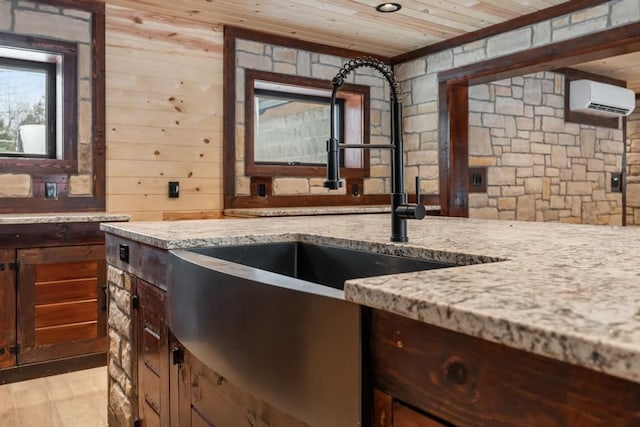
602 99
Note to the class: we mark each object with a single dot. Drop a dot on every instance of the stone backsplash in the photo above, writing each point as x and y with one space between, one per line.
297 62
540 168
419 77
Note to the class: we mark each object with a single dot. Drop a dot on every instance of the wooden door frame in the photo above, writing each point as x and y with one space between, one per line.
453 123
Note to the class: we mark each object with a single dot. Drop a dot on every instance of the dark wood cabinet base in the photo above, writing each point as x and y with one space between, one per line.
469 382
45 369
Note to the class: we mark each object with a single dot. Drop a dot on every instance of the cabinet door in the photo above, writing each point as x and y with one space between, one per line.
61 302
389 412
152 355
7 308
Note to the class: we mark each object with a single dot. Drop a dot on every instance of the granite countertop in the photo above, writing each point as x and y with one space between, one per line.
569 292
48 218
312 210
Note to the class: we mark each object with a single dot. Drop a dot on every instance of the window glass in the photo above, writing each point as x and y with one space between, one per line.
26 116
292 128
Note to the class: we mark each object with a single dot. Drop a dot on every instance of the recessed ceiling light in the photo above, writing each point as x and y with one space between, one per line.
388 7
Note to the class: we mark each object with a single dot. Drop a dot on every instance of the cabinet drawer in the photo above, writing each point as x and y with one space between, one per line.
471 382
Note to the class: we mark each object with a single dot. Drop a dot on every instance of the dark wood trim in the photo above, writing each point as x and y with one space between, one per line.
458 96
259 36
604 44
48 235
623 172
232 33
98 43
45 369
86 5
229 112
443 148
319 200
571 74
503 27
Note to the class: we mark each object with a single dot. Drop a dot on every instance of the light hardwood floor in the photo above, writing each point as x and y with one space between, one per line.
68 400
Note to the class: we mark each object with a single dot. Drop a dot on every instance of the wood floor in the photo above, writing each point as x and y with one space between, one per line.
68 400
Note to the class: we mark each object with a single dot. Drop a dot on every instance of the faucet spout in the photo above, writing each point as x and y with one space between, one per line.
401 210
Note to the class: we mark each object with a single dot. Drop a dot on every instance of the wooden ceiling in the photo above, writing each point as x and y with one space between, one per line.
353 24
623 67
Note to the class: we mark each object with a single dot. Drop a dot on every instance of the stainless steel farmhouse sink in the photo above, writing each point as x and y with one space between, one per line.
273 320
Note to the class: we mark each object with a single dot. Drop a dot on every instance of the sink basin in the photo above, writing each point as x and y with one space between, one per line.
272 319
322 264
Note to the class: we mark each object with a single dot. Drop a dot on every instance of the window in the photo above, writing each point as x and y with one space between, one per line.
27 108
38 105
287 124
291 128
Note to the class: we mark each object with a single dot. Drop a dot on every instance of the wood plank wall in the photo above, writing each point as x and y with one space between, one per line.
164 115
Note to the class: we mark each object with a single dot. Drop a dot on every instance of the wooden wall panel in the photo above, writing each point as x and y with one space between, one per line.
164 115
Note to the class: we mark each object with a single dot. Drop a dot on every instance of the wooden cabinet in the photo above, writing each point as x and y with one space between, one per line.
151 354
390 412
53 308
202 397
174 388
464 381
61 302
7 308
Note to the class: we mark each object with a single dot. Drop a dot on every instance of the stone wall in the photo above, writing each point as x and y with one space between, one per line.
120 391
540 168
633 166
285 60
419 77
70 25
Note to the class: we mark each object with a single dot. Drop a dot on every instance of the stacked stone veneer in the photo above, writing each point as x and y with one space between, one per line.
70 25
119 326
633 167
540 168
297 62
419 78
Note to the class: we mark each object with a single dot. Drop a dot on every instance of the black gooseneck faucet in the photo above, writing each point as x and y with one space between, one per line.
400 209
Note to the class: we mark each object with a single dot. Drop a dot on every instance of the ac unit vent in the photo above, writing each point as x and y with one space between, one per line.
608 109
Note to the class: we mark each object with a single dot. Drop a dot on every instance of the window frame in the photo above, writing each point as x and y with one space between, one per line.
51 105
310 98
68 162
348 91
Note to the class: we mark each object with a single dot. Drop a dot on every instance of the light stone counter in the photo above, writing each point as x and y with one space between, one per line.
51 218
569 292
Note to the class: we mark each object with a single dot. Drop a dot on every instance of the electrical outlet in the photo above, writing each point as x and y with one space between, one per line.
174 189
124 252
616 182
50 190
